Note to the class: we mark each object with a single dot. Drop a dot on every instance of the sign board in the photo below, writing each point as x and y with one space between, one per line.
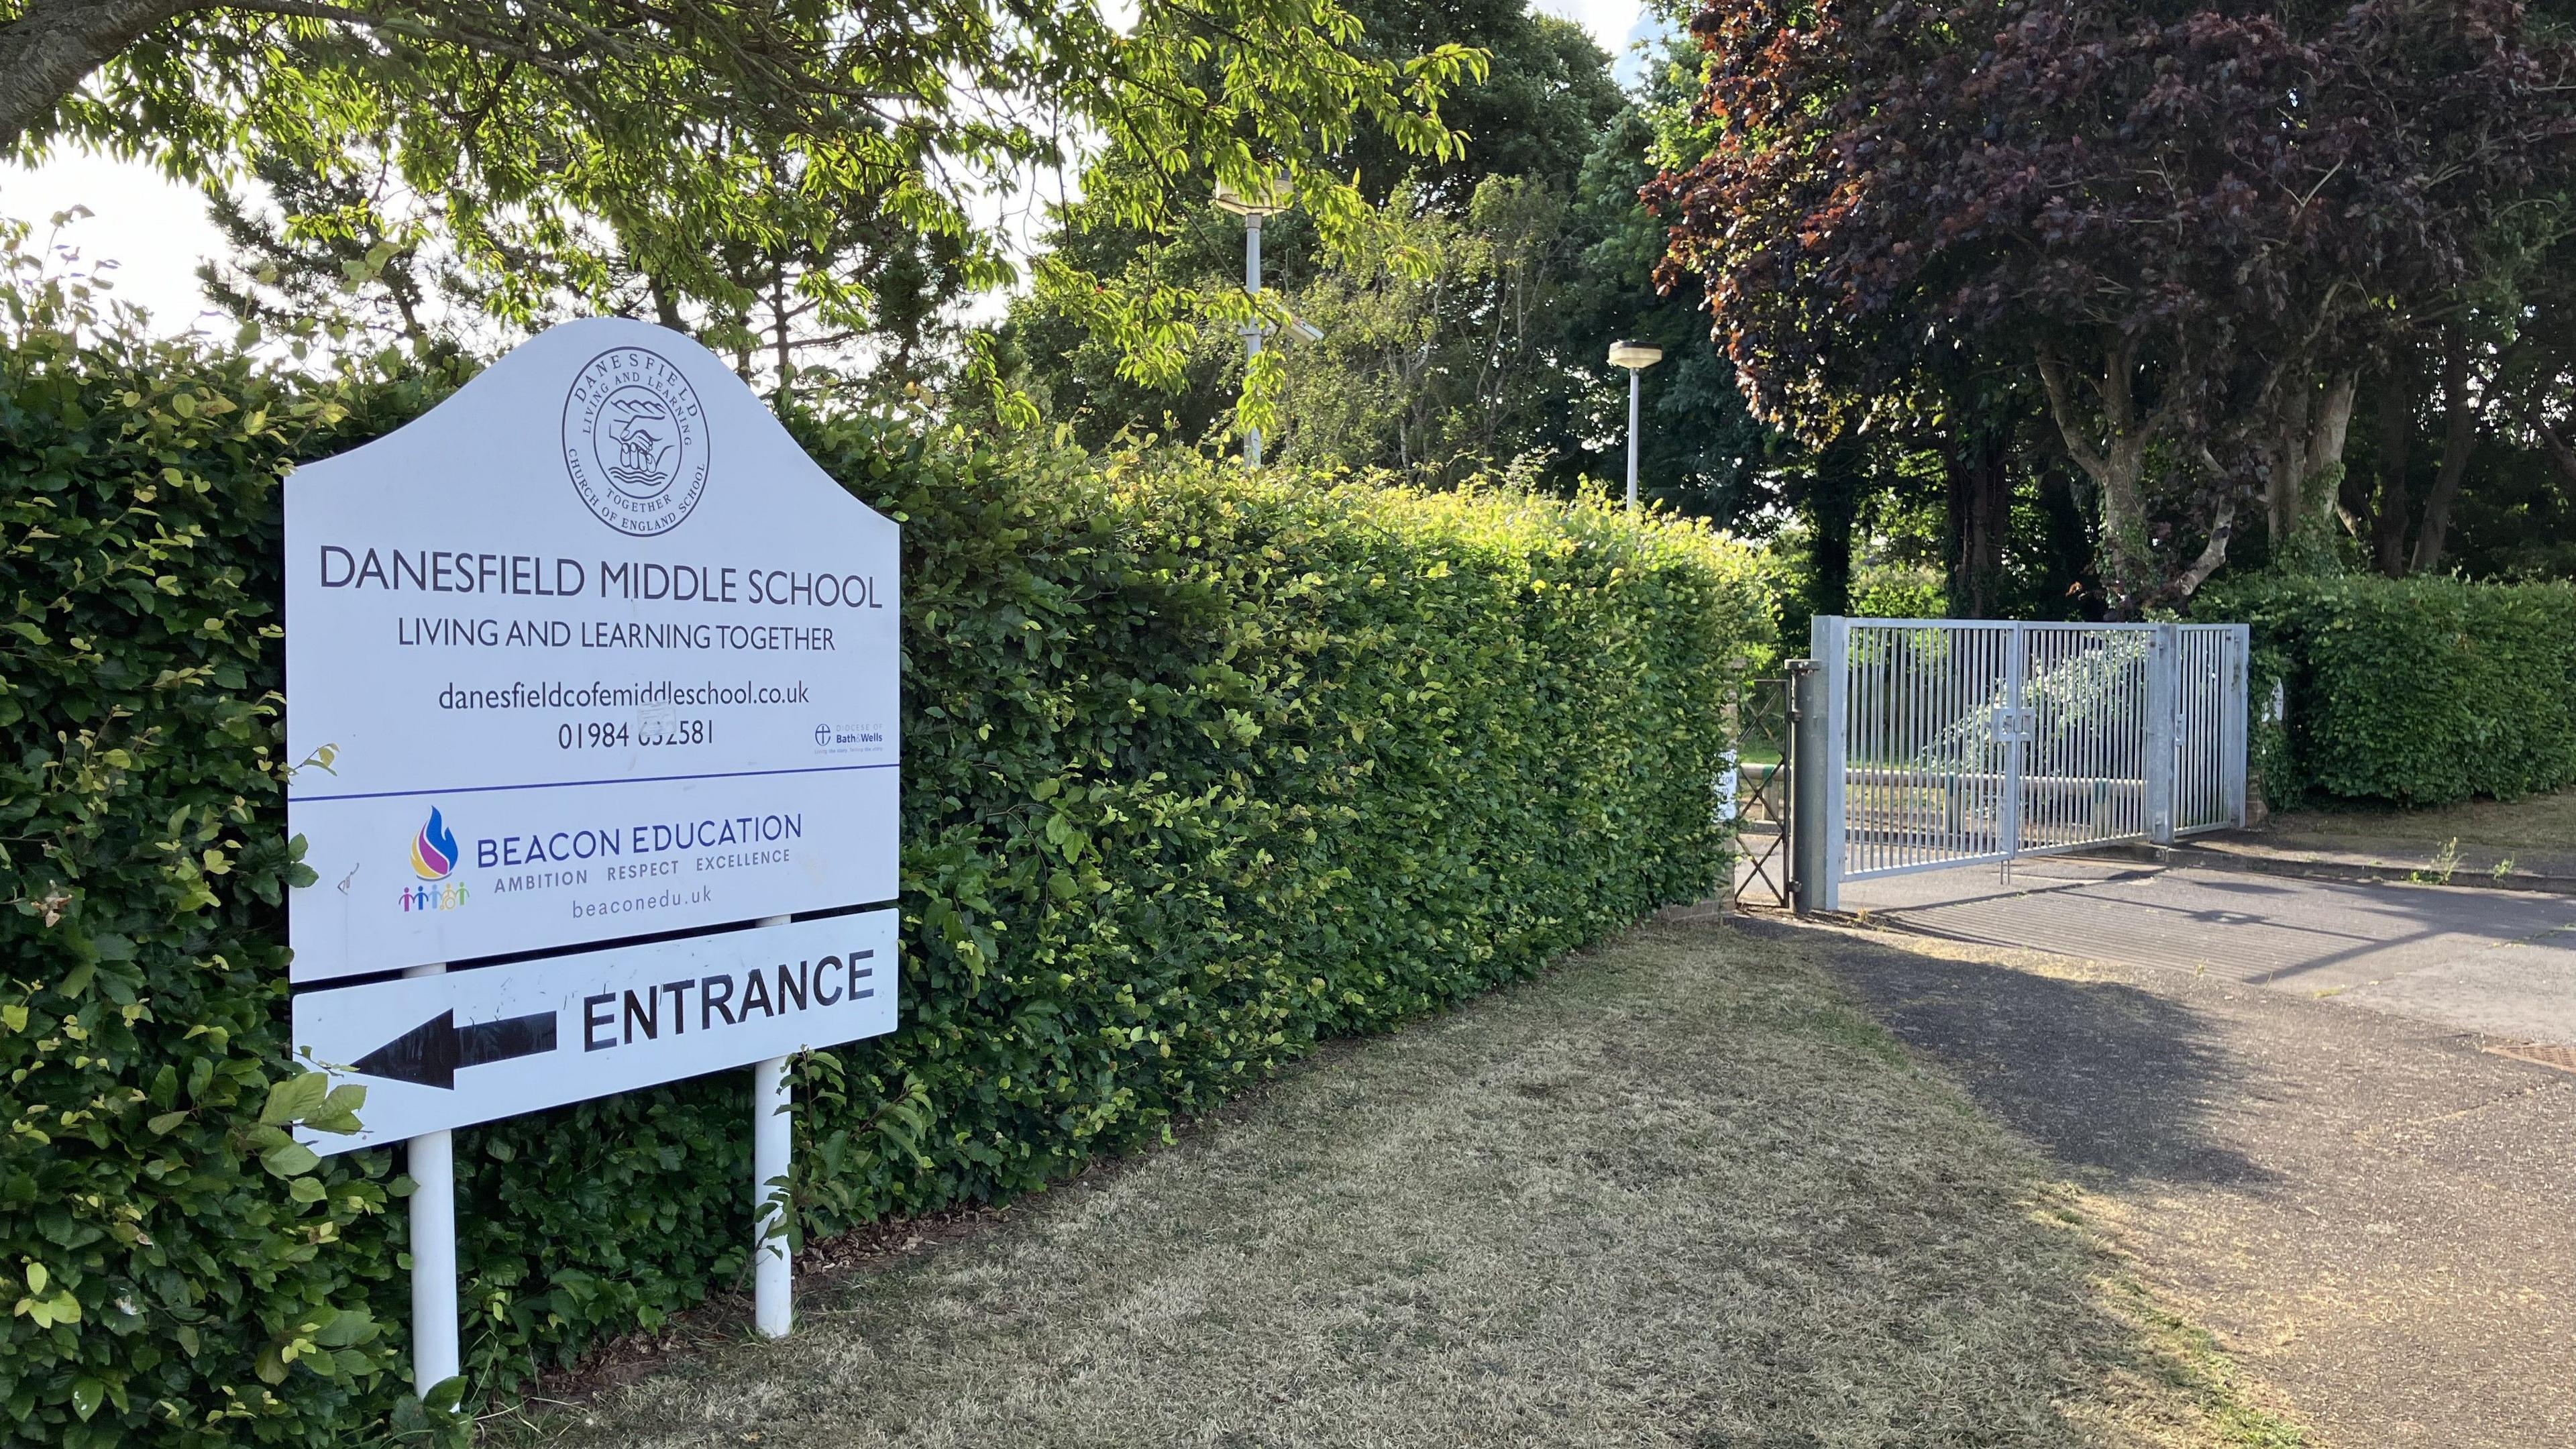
592 651
437 1052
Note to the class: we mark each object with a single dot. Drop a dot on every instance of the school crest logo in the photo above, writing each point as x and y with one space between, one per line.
635 441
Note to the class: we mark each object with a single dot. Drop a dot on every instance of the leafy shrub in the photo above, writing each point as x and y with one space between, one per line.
2409 692
1199 768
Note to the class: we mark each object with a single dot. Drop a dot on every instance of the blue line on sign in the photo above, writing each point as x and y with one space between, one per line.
569 784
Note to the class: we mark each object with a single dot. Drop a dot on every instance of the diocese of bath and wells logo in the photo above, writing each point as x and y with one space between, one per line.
433 859
635 441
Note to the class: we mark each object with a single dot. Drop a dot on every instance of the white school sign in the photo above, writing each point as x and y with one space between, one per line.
590 655
592 650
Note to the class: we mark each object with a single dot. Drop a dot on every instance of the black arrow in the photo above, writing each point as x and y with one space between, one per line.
430 1053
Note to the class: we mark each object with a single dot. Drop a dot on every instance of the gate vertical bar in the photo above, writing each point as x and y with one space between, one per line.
2015 737
2164 698
1854 708
1829 640
2235 703
1930 668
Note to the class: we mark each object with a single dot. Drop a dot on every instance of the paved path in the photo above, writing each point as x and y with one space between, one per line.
2499 962
2372 1207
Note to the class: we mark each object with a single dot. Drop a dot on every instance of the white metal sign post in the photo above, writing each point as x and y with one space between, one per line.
592 652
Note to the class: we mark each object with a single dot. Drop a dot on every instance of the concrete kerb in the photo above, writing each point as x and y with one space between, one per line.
2251 855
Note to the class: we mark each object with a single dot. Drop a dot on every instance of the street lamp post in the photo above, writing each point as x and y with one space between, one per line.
1636 357
1270 202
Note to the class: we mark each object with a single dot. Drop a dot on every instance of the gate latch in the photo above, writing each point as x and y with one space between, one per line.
2016 726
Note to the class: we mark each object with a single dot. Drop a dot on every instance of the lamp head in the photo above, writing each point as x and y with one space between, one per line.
1268 201
1634 355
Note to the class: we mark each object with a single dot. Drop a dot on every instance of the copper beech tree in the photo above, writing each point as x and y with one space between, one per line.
2193 224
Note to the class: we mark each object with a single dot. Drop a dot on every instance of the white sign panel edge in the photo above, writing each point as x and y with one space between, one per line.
438 1052
573 695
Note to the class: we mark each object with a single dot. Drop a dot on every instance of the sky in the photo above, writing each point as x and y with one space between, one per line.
156 231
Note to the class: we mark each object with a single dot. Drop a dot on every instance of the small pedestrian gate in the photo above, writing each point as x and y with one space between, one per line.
1960 742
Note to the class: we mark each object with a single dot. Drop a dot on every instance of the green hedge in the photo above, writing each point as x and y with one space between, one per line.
1198 768
2409 692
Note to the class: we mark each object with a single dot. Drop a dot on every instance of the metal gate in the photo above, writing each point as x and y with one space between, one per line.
1963 742
1757 795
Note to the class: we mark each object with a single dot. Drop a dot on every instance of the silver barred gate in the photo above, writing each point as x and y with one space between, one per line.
1947 742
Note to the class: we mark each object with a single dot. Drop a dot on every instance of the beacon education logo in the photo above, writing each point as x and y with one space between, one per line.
635 441
433 851
433 859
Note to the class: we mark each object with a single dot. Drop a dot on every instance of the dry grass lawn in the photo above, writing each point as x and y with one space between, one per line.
1677 1192
2535 825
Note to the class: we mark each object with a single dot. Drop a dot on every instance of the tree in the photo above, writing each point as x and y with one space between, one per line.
1137 323
2194 223
1700 450
608 150
339 259
2474 398
1537 112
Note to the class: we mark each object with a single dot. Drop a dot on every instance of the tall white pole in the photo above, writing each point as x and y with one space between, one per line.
773 1281
433 1249
1251 329
1632 438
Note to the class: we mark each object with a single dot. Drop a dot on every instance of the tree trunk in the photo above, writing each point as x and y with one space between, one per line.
2285 457
2305 458
666 307
54 45
1832 498
781 338
1977 466
2329 425
2459 439
2118 468
2069 536
2391 514
2562 454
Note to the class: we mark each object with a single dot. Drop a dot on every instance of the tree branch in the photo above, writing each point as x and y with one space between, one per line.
2061 408
54 45
2222 528
2459 439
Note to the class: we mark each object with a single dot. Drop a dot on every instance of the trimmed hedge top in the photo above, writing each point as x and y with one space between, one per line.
2409 691
1199 767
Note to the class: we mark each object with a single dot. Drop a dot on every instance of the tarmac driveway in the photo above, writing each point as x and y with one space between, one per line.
2372 1207
2498 962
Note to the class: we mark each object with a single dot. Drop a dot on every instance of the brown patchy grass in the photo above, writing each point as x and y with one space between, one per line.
1676 1192
2533 825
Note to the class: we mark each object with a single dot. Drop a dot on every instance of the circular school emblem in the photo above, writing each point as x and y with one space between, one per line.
635 441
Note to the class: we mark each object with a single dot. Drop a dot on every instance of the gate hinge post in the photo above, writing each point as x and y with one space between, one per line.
2163 743
1814 830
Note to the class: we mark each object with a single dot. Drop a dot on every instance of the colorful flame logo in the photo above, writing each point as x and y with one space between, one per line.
433 851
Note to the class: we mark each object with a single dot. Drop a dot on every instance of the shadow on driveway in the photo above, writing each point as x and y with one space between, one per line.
2368 1205
2498 962
2111 1079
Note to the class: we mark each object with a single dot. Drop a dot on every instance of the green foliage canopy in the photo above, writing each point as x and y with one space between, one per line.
598 149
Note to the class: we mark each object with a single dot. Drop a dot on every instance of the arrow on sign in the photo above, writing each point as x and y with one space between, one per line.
430 1053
